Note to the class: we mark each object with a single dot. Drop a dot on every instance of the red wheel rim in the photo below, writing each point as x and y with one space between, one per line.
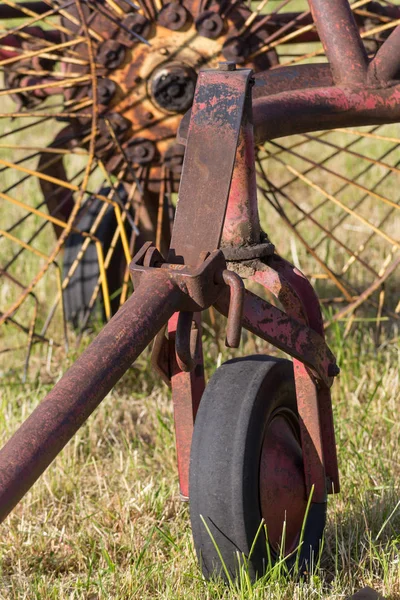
282 486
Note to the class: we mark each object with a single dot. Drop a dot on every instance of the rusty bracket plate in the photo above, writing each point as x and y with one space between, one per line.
286 333
208 165
199 286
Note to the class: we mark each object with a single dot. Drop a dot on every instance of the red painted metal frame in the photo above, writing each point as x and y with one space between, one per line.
160 291
187 389
314 403
340 37
194 279
299 301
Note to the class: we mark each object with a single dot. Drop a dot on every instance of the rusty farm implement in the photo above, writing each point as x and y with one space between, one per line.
92 97
256 444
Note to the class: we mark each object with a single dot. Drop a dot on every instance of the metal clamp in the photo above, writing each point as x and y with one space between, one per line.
249 252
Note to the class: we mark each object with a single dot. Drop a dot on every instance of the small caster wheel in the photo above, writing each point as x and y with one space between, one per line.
246 465
78 293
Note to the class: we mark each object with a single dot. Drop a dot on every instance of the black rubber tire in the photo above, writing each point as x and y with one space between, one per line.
224 466
79 291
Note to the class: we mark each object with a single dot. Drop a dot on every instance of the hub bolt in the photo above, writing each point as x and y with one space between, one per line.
119 124
136 23
173 16
111 54
172 87
105 90
210 24
235 50
141 151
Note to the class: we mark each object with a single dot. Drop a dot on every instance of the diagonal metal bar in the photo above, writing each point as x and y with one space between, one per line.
43 435
386 64
341 39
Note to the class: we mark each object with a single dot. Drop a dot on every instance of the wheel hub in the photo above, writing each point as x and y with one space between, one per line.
172 87
282 487
151 86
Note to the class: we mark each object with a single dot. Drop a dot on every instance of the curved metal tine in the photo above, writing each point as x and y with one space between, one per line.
364 34
347 180
336 280
117 22
350 294
355 255
80 194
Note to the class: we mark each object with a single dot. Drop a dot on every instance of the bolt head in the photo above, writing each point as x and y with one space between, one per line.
209 24
141 151
228 65
173 16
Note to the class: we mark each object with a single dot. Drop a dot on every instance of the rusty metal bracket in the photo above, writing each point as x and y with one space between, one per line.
186 342
248 252
200 286
159 356
219 104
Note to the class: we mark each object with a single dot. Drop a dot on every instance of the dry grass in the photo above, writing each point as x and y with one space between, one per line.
105 521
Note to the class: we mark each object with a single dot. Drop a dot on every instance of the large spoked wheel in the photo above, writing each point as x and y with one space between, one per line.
246 465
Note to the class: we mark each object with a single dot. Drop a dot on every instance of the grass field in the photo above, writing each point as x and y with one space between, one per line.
106 521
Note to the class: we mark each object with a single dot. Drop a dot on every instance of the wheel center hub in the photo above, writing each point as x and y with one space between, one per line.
172 87
282 487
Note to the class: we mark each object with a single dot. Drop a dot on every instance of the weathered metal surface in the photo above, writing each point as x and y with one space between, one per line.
276 327
200 286
235 312
341 39
208 164
386 64
303 290
160 357
242 232
302 111
187 389
306 391
242 223
186 338
248 252
298 77
311 432
197 283
283 494
288 108
160 290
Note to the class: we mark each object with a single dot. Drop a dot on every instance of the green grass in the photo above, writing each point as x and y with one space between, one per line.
105 521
